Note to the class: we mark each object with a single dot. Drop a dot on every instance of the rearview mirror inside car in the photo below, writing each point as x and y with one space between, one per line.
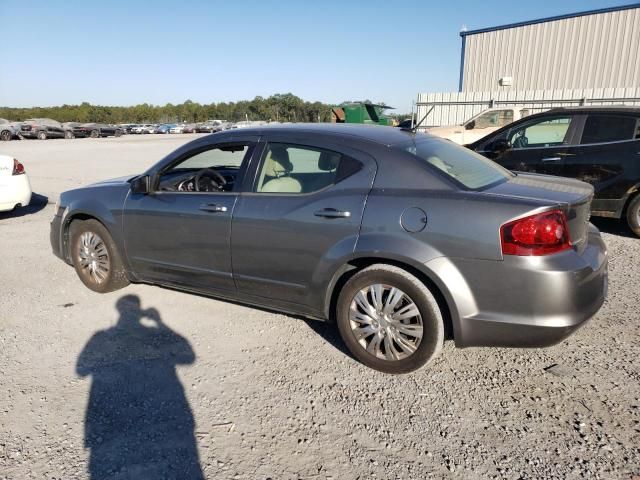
471 125
141 185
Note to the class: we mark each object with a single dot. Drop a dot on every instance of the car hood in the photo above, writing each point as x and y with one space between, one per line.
113 181
445 131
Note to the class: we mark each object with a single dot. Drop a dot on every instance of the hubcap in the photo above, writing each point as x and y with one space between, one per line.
386 322
94 257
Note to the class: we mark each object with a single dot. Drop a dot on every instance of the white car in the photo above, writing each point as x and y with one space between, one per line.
177 129
15 189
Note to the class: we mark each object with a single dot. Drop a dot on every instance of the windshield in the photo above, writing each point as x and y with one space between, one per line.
468 168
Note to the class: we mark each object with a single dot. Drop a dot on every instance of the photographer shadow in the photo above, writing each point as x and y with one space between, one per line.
138 423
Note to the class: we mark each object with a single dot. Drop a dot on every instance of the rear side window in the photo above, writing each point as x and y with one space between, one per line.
609 128
462 165
288 168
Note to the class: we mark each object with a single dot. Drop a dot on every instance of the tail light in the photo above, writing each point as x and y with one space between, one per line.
18 168
541 234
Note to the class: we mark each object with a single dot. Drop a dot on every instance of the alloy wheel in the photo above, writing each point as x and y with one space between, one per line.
386 322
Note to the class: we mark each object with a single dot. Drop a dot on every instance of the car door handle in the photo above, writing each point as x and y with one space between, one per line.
552 159
332 213
212 207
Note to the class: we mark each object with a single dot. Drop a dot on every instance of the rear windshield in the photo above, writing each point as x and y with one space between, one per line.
471 170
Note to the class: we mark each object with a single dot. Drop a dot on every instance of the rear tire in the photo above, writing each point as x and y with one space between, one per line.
42 135
117 133
396 336
68 134
95 257
5 135
633 215
95 134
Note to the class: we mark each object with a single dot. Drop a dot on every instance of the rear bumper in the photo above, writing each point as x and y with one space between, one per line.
529 301
29 133
14 190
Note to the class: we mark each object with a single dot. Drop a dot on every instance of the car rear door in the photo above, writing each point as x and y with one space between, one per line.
284 242
607 157
540 145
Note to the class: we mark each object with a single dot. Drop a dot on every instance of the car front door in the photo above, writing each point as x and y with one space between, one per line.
303 213
608 157
180 232
539 145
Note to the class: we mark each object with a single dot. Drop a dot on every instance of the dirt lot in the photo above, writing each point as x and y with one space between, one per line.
102 386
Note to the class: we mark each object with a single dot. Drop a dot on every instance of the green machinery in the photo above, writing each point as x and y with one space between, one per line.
361 112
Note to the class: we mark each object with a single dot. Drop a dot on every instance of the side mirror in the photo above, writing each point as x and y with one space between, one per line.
141 185
471 125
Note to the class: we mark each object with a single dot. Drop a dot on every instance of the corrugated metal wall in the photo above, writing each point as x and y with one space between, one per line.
590 51
453 108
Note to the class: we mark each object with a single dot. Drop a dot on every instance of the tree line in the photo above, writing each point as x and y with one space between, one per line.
279 107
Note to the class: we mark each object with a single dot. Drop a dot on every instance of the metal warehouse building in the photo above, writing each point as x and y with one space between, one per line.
585 58
599 48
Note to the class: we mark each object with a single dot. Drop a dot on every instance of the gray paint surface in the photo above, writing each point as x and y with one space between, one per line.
273 251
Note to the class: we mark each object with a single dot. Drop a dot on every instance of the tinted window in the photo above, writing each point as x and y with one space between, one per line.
297 169
498 118
216 157
543 133
461 164
609 128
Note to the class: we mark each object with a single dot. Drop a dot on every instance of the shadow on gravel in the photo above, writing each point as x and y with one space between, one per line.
138 423
612 226
38 202
330 334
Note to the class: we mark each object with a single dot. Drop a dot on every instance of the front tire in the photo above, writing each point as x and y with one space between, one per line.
68 134
5 135
633 215
389 320
42 135
95 257
95 134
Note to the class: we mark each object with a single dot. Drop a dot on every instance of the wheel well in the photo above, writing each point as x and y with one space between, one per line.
67 227
634 193
354 266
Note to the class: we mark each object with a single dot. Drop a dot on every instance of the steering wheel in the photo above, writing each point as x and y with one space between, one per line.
214 179
521 141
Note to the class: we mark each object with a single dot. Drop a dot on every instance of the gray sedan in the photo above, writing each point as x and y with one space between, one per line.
403 239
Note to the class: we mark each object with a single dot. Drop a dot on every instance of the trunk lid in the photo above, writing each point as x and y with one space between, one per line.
573 196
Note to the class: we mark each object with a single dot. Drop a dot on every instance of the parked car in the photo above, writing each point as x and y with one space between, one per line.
177 128
15 189
127 127
479 125
399 237
96 130
598 145
41 128
9 130
149 128
68 129
190 128
165 128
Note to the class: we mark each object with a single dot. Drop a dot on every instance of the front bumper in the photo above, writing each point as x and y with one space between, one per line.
14 190
55 235
529 301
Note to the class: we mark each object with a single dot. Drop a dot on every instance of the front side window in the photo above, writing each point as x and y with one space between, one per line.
609 128
290 168
495 119
215 169
545 133
464 166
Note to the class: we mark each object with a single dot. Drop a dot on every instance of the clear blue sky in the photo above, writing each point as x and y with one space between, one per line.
127 52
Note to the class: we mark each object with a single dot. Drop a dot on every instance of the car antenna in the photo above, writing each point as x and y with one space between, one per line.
414 129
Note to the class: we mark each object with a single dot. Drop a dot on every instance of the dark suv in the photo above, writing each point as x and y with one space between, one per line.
599 145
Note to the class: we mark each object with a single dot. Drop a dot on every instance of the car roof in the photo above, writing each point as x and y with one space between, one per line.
597 109
380 134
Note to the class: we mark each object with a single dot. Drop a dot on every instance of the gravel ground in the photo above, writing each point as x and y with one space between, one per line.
104 386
